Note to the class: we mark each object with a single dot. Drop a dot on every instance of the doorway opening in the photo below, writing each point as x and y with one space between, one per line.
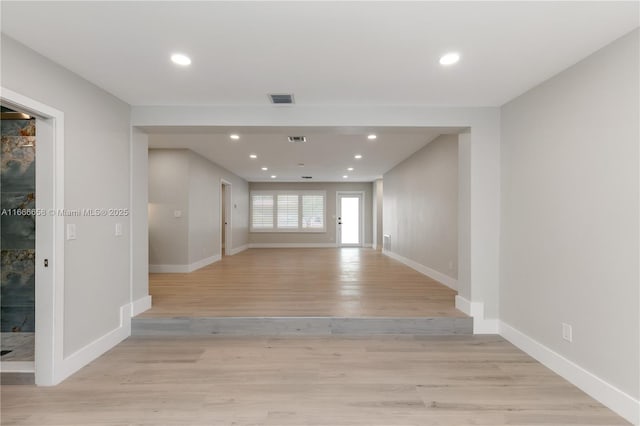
18 235
47 263
350 218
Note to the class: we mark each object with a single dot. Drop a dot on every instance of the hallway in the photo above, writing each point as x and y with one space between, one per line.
310 282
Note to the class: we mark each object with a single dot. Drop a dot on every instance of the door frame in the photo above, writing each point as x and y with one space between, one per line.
49 288
361 195
226 251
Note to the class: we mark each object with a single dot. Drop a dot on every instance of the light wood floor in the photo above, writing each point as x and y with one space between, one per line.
349 282
392 381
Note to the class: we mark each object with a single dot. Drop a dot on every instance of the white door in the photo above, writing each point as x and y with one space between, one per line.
349 217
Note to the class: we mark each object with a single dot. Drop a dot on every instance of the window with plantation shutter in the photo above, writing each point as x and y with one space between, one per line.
313 211
262 212
288 211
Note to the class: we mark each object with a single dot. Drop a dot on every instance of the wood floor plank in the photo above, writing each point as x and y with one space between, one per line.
328 380
348 282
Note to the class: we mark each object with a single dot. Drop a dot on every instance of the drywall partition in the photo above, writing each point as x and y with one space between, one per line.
570 242
184 210
96 299
140 298
464 223
421 209
319 239
484 163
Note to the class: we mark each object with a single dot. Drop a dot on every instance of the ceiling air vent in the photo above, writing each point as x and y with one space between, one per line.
297 139
281 98
307 177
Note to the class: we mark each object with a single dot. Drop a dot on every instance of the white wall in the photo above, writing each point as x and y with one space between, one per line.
180 179
464 217
239 211
204 209
377 213
421 206
328 237
168 194
569 248
205 187
96 138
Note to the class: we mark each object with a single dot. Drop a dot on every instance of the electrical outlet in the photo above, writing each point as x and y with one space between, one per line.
177 213
567 332
118 232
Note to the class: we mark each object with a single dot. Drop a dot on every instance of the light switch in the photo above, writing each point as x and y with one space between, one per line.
118 229
177 213
71 231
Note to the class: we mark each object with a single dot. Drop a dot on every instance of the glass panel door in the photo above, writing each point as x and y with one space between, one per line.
349 219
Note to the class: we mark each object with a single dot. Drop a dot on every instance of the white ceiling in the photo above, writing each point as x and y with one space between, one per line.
327 154
324 52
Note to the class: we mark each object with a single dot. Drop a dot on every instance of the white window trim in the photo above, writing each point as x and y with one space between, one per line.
299 230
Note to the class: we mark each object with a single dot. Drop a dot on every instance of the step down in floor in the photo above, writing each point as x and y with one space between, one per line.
179 326
17 379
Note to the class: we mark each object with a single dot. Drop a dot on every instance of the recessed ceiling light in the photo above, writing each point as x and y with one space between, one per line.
350 169
253 156
234 136
273 176
345 177
180 59
372 137
357 156
450 58
265 168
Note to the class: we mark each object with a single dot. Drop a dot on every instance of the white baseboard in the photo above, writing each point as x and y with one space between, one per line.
17 367
93 350
168 269
204 262
473 309
238 249
620 402
486 326
183 269
292 245
463 305
425 270
298 245
481 325
140 305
